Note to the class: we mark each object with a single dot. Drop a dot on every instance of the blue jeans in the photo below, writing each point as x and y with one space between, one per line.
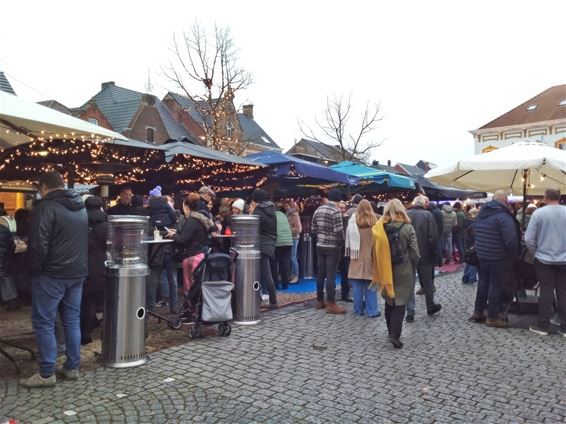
492 279
48 296
154 282
365 299
470 274
294 260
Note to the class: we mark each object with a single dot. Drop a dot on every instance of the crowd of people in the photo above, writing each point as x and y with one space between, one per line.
376 250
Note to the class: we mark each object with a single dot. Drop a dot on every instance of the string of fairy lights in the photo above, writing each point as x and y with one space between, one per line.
71 155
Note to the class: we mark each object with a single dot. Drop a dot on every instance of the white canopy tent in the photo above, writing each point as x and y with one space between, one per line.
523 167
21 119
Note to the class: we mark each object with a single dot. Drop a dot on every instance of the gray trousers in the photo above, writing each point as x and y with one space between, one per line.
552 280
425 271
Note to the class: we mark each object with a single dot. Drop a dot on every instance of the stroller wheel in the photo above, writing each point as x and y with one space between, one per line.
194 332
175 324
224 329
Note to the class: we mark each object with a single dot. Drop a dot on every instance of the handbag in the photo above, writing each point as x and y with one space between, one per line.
471 257
8 289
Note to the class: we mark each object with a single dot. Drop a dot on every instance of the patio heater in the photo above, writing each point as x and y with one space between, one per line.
245 229
123 337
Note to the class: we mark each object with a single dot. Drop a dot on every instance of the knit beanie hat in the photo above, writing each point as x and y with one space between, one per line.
238 204
334 195
156 192
259 195
357 199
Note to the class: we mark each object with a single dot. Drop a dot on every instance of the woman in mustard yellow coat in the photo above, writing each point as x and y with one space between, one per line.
394 264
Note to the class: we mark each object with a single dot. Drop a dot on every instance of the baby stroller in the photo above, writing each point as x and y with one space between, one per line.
210 298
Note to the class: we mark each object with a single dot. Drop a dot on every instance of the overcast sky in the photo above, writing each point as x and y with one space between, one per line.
439 68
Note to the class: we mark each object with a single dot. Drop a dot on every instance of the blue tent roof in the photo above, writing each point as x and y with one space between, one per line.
383 178
293 169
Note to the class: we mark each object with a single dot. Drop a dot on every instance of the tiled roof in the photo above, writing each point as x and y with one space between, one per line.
254 134
175 130
5 84
54 104
547 108
386 168
190 106
119 105
325 150
412 170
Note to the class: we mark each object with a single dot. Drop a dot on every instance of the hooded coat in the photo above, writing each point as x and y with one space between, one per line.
449 219
267 227
497 234
161 213
58 240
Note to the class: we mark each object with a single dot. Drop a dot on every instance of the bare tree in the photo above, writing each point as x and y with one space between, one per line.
336 128
207 71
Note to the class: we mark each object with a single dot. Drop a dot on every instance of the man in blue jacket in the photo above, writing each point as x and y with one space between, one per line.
497 245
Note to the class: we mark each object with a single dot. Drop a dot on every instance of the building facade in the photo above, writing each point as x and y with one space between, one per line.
542 118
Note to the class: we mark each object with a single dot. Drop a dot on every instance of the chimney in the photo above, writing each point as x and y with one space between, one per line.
389 162
107 84
375 163
248 110
148 99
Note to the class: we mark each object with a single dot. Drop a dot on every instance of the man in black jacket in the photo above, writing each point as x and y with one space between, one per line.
124 205
265 210
497 244
427 237
207 196
58 260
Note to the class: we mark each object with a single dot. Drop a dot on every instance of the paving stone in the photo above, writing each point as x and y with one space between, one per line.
302 365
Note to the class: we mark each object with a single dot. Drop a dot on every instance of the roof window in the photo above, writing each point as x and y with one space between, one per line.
532 107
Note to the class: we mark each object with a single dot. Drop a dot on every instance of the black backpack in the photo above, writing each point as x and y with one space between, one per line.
398 254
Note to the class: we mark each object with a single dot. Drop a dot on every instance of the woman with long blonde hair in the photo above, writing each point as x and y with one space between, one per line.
358 248
395 258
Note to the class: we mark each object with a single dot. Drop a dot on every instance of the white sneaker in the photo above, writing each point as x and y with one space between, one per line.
554 321
37 380
264 297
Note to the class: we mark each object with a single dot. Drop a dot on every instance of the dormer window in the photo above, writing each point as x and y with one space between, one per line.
93 121
149 134
531 107
229 130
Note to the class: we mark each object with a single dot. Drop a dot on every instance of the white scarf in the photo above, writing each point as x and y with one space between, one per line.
353 238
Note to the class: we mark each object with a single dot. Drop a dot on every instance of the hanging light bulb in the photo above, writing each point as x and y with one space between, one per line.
542 178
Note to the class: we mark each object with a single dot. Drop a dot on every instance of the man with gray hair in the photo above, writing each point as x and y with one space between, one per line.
546 240
427 237
497 243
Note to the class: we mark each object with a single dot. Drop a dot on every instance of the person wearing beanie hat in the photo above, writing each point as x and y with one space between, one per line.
265 210
207 197
528 213
238 207
328 227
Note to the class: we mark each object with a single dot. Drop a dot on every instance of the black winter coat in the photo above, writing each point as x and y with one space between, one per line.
120 209
193 238
6 248
427 233
497 234
203 209
267 227
58 240
161 214
97 235
437 213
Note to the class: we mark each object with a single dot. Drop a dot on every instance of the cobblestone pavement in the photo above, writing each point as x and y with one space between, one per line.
301 365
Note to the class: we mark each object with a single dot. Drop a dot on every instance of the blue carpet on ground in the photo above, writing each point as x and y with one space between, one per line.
306 285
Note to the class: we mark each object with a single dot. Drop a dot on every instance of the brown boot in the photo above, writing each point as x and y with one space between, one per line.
320 304
333 308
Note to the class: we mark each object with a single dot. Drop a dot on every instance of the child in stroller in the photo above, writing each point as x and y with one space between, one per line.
210 297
